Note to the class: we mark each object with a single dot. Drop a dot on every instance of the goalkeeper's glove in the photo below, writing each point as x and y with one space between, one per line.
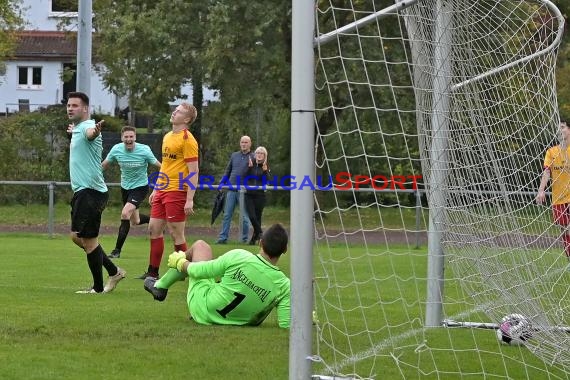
176 260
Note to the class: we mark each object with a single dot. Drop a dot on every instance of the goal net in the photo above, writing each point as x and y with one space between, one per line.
432 121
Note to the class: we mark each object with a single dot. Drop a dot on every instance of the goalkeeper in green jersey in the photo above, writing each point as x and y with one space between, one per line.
249 285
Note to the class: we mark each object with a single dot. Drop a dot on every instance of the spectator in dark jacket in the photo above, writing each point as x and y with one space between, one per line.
255 192
235 172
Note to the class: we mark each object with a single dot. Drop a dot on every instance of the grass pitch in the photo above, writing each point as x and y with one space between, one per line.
48 332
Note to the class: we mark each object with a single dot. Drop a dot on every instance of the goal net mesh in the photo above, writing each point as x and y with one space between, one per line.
440 109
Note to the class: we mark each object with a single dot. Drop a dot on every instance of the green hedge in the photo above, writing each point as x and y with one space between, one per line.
35 147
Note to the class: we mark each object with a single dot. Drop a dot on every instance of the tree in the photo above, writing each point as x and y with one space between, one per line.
248 53
150 49
10 21
243 49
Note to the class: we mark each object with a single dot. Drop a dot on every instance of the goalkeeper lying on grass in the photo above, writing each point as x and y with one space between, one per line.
250 286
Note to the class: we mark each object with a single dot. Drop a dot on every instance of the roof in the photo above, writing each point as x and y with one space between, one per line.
46 45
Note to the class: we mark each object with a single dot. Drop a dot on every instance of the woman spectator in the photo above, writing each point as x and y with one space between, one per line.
255 191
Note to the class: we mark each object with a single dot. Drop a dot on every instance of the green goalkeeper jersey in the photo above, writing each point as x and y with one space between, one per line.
249 288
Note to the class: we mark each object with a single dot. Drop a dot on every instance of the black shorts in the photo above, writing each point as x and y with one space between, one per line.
87 205
135 196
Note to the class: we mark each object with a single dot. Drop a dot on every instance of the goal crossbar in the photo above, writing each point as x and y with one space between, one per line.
547 50
400 5
403 4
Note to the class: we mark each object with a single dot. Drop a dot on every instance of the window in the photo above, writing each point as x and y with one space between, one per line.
22 76
64 5
37 76
29 77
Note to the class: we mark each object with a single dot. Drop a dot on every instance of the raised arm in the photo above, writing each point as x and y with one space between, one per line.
93 133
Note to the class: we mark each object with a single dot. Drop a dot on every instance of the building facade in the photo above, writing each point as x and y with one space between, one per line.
42 69
44 56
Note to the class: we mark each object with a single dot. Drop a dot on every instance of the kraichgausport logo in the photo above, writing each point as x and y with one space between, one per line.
341 181
155 177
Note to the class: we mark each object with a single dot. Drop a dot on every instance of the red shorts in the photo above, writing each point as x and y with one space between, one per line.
561 214
169 206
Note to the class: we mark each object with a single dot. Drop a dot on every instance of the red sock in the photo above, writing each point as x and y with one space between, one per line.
156 251
180 247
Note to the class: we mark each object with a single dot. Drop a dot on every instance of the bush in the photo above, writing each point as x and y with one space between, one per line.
112 123
35 147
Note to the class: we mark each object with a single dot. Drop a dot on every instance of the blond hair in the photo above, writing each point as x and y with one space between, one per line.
190 110
262 150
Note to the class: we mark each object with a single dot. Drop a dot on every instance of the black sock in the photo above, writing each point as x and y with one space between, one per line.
94 260
123 232
144 219
152 270
110 267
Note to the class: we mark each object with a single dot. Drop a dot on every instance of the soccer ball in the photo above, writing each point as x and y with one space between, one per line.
514 329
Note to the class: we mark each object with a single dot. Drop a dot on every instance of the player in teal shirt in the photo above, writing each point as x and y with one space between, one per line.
85 159
89 192
249 285
133 159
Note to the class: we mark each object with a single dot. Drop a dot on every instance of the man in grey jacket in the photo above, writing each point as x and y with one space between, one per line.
234 175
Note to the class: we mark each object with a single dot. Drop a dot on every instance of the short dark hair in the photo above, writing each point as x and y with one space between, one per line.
564 122
128 128
81 95
274 240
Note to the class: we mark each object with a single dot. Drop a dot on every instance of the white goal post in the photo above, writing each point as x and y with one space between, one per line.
460 93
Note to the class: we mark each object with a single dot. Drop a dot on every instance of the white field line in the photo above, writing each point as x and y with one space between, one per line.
395 340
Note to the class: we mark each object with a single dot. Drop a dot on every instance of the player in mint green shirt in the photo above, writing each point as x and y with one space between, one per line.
249 285
133 159
89 192
85 158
